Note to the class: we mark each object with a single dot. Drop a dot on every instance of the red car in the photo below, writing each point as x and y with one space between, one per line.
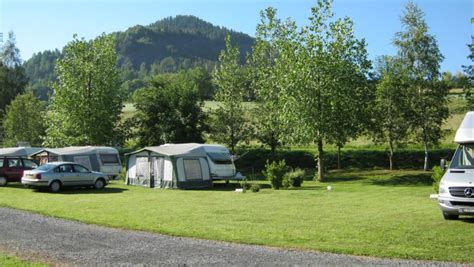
11 168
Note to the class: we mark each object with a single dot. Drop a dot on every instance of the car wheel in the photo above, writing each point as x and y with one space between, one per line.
55 187
3 181
448 216
99 184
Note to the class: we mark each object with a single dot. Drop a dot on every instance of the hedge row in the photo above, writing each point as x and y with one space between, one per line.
255 159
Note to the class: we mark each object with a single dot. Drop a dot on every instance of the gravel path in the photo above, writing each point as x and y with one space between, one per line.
58 241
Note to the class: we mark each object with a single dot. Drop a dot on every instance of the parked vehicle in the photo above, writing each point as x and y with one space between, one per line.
12 167
96 158
56 175
456 189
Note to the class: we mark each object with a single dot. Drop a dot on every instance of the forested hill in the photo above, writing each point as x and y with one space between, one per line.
168 45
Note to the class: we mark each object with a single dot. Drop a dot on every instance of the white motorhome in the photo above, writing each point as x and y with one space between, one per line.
456 189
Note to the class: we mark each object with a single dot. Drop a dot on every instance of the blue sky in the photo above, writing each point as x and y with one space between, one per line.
49 24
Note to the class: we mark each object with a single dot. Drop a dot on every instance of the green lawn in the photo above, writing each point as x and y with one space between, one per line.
10 261
375 213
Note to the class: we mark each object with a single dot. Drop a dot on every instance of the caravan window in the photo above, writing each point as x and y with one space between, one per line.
109 158
192 169
220 158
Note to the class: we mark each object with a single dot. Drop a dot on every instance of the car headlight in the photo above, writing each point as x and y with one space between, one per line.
442 189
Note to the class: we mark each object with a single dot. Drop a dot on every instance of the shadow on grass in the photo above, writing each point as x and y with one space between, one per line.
421 179
341 178
83 191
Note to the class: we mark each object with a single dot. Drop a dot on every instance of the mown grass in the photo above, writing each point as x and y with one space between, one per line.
10 261
374 213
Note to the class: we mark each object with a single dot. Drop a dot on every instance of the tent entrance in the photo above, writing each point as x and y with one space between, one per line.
158 164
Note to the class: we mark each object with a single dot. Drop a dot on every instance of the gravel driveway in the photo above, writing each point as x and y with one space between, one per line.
34 237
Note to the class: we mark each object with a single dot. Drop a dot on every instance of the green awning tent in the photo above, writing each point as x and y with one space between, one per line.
169 166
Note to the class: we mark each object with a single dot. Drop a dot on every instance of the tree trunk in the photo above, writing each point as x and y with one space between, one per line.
390 155
425 166
320 161
338 157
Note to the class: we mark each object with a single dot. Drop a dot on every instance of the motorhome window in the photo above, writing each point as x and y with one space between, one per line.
109 158
463 157
192 169
220 158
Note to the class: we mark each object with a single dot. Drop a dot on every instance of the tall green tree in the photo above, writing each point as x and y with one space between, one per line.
392 102
266 80
12 74
229 124
469 82
326 67
169 110
87 100
25 120
419 53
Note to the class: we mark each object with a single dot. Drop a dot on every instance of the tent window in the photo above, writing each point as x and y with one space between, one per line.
158 166
192 169
220 158
109 158
142 167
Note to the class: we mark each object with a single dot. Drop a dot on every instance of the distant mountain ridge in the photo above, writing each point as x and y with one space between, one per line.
167 45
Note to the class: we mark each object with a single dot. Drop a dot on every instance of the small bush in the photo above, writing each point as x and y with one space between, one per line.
255 188
245 185
274 172
437 175
294 178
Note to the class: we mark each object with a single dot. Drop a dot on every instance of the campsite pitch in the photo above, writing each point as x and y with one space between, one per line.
371 213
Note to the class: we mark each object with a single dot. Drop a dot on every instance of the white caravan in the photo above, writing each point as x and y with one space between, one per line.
456 189
96 158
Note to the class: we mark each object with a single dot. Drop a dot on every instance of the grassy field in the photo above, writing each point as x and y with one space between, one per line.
456 105
374 213
10 261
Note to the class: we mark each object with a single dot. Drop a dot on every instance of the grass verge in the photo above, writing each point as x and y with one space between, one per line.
10 261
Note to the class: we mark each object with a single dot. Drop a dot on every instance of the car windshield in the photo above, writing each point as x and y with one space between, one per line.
463 157
45 167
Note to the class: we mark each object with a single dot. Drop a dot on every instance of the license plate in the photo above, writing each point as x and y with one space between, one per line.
466 210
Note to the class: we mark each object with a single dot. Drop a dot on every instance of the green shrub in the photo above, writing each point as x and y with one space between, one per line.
245 185
274 173
437 175
255 188
293 178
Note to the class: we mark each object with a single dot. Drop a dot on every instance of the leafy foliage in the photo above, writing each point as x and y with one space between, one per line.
436 176
274 172
391 105
419 53
169 110
25 120
229 124
469 83
293 178
87 101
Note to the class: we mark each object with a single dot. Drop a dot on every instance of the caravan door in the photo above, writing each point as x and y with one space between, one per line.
158 166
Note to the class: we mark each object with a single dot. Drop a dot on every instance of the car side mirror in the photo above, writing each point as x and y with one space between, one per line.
443 164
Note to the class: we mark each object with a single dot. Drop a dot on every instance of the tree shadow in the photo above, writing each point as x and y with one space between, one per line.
341 178
421 179
310 187
83 191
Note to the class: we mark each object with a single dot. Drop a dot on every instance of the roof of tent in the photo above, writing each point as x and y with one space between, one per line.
465 132
18 151
75 150
189 149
